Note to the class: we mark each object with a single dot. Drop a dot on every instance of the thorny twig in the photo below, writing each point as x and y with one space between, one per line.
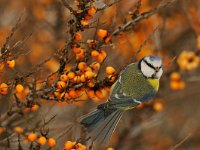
108 5
10 36
163 4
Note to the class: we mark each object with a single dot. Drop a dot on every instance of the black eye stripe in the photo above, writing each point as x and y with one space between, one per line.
150 65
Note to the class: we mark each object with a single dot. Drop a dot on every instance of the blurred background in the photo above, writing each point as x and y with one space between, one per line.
170 121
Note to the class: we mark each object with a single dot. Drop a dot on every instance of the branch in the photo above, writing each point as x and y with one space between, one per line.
163 4
68 7
181 142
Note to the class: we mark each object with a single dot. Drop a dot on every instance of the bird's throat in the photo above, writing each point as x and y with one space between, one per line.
154 83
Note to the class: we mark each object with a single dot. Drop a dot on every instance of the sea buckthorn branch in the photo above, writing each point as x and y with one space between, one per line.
69 84
66 4
163 4
36 134
109 5
136 12
16 110
4 50
75 39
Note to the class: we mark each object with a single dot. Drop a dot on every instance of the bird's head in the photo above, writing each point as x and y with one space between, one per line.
151 67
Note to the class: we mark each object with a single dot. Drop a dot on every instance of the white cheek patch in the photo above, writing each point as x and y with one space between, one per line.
146 70
159 73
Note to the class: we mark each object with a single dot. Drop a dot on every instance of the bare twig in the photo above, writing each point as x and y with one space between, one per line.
11 34
181 142
108 5
163 4
68 7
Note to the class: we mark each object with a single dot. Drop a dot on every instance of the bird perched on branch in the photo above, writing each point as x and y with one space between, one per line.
137 83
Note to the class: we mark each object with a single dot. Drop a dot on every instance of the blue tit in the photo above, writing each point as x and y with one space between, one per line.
137 83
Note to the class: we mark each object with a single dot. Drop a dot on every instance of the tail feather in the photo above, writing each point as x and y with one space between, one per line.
91 120
105 129
101 126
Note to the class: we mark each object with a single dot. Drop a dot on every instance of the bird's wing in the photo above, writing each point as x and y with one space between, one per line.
121 97
120 100
130 89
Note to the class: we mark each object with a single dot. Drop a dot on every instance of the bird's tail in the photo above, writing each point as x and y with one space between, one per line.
101 125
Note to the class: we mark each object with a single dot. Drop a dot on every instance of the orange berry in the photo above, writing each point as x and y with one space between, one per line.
84 22
99 94
110 70
89 74
88 69
3 88
35 107
51 142
42 140
72 93
103 53
82 66
91 10
88 17
80 55
91 93
100 58
158 106
2 129
57 94
71 75
77 37
18 130
64 77
102 33
76 50
174 85
110 148
91 84
11 63
69 145
94 54
19 88
83 78
77 79
32 137
188 60
107 39
95 65
67 95
175 76
61 85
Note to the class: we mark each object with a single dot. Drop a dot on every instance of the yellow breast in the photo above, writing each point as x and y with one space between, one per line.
154 83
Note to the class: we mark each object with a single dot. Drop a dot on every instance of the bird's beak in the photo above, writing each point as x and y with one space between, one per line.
157 69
